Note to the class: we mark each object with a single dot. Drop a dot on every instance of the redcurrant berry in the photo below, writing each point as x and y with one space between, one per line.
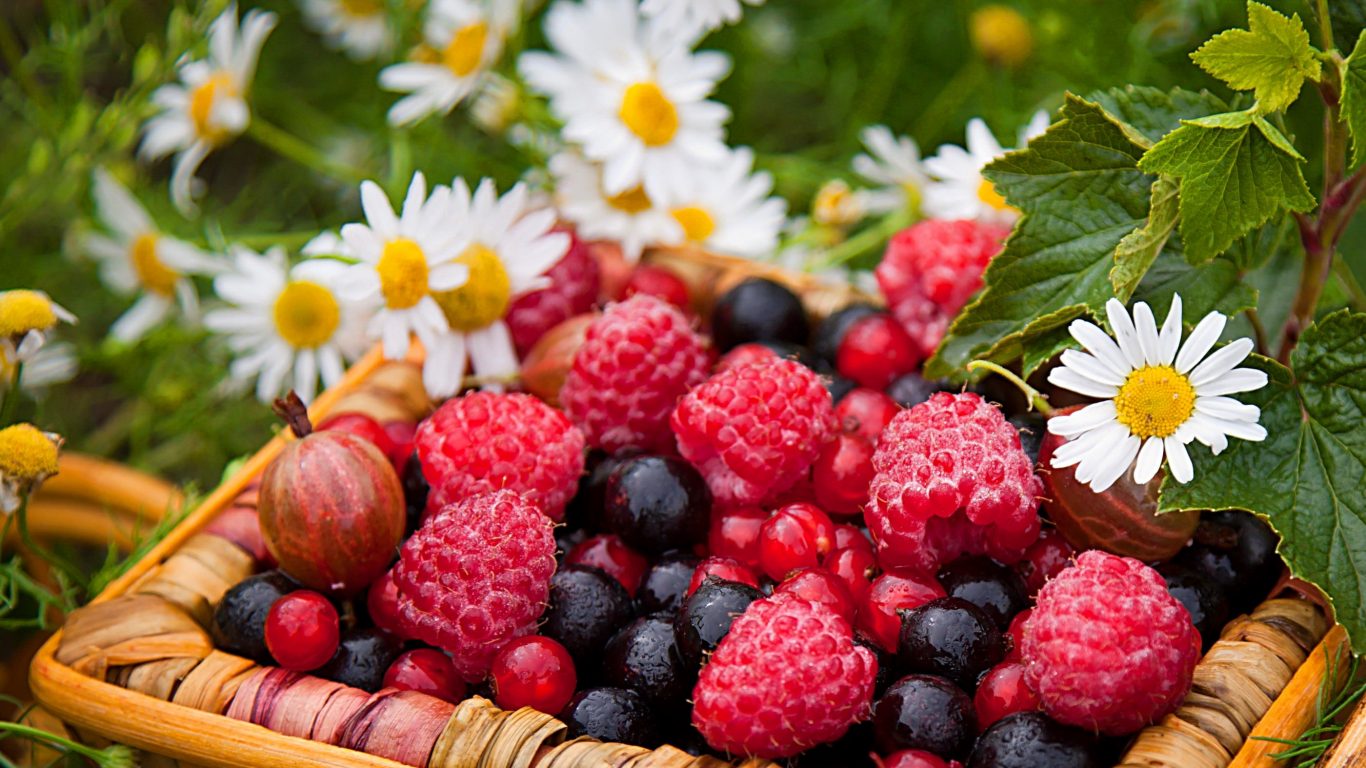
852 537
1044 559
361 425
382 603
722 568
735 534
894 591
914 758
533 671
302 630
428 671
841 474
866 412
875 350
1002 691
1015 634
608 552
402 434
658 282
855 567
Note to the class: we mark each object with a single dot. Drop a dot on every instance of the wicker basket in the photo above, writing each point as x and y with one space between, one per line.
138 667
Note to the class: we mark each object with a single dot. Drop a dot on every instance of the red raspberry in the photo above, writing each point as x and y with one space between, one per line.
931 269
787 677
573 289
637 360
475 576
745 354
1107 647
482 442
951 480
754 431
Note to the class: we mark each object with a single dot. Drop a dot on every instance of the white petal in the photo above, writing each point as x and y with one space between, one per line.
306 374
1070 379
448 277
1178 461
1149 460
1205 430
1236 380
1119 463
1091 446
139 319
1084 420
491 351
1125 333
117 207
378 213
394 333
1099 344
1096 460
1146 326
1200 341
1090 367
1223 360
1227 408
444 369
1170 339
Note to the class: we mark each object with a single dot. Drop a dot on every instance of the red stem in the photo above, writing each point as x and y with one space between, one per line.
292 410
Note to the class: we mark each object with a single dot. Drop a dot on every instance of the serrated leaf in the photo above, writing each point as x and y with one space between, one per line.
1213 286
1348 17
1307 477
1138 250
1272 57
1153 112
1354 98
1235 175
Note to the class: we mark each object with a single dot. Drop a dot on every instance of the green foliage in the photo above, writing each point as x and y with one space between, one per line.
1138 250
1272 57
1354 98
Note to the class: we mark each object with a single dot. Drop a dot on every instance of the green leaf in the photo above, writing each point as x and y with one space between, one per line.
1272 57
1213 286
1349 18
1080 192
1138 250
1236 172
1354 98
1306 477
1153 112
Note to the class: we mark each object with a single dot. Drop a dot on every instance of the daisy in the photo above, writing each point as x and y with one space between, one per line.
208 106
463 38
285 326
137 259
401 262
694 17
957 189
837 205
1159 395
894 163
358 27
54 363
727 208
26 319
630 218
28 456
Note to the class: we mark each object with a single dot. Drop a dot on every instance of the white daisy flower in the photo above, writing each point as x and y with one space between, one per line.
402 261
636 104
694 17
957 189
465 39
208 106
631 218
837 205
893 162
360 28
53 363
26 319
28 456
137 259
1159 395
496 105
285 326
727 208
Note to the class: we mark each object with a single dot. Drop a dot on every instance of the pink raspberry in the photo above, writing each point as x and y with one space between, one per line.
573 290
931 269
951 479
754 431
636 361
787 677
1107 647
475 576
483 442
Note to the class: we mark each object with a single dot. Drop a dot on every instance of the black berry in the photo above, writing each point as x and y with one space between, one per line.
825 340
1031 427
952 638
1033 740
794 352
586 608
584 511
758 310
239 621
995 588
611 714
854 750
415 489
1202 598
657 503
1236 550
644 657
838 386
362 657
910 389
707 614
925 712
665 584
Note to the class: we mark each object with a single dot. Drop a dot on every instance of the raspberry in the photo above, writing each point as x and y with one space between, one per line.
931 269
475 576
754 431
482 442
1107 647
951 480
573 289
787 677
746 354
637 360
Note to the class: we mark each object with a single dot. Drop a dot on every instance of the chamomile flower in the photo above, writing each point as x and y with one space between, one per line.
208 107
893 162
694 17
463 38
838 205
1158 395
28 456
957 189
53 363
360 28
26 319
285 326
631 218
137 259
507 250
727 208
403 261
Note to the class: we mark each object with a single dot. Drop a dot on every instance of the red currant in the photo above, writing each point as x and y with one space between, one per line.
1002 692
914 758
855 568
895 590
1044 559
1015 633
852 537
841 474
785 545
735 534
721 568
610 553
361 425
745 354
820 586
659 282
382 603
402 434
428 671
875 350
866 412
302 630
533 671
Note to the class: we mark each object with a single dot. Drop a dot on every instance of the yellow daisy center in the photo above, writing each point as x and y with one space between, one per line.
1001 35
465 51
154 275
202 98
1154 400
697 224
402 272
361 8
633 200
986 192
306 314
484 297
23 311
26 454
649 114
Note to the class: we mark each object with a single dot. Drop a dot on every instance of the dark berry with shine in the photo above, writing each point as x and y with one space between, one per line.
758 310
415 489
1033 740
838 386
585 509
995 588
586 608
925 712
643 656
952 638
829 333
853 750
657 503
362 658
666 583
1202 598
1031 427
910 389
239 621
796 352
706 617
612 714
1237 550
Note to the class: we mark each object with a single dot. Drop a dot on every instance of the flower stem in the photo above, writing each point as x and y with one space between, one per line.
66 567
292 147
866 240
1035 398
99 756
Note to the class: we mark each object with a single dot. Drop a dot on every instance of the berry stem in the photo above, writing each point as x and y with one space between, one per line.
1036 399
292 411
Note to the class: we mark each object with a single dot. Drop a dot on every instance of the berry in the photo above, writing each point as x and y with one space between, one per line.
838 386
850 537
657 503
828 335
361 659
381 602
706 617
758 310
754 431
931 269
475 576
1201 597
403 435
796 536
891 593
924 712
912 389
951 638
951 480
1107 648
242 526
239 621
415 492
426 671
1237 550
1015 634
1031 740
866 412
609 553
721 568
735 534
611 714
533 671
786 677
482 442
1002 692
819 586
1044 559
875 350
915 758
586 608
636 361
585 509
746 354
841 474
987 584
573 289
666 584
643 656
363 426
302 630
661 283
854 567
1031 428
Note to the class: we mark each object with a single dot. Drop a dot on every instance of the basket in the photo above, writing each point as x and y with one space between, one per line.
137 665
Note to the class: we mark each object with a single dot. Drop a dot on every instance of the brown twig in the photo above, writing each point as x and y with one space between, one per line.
292 411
